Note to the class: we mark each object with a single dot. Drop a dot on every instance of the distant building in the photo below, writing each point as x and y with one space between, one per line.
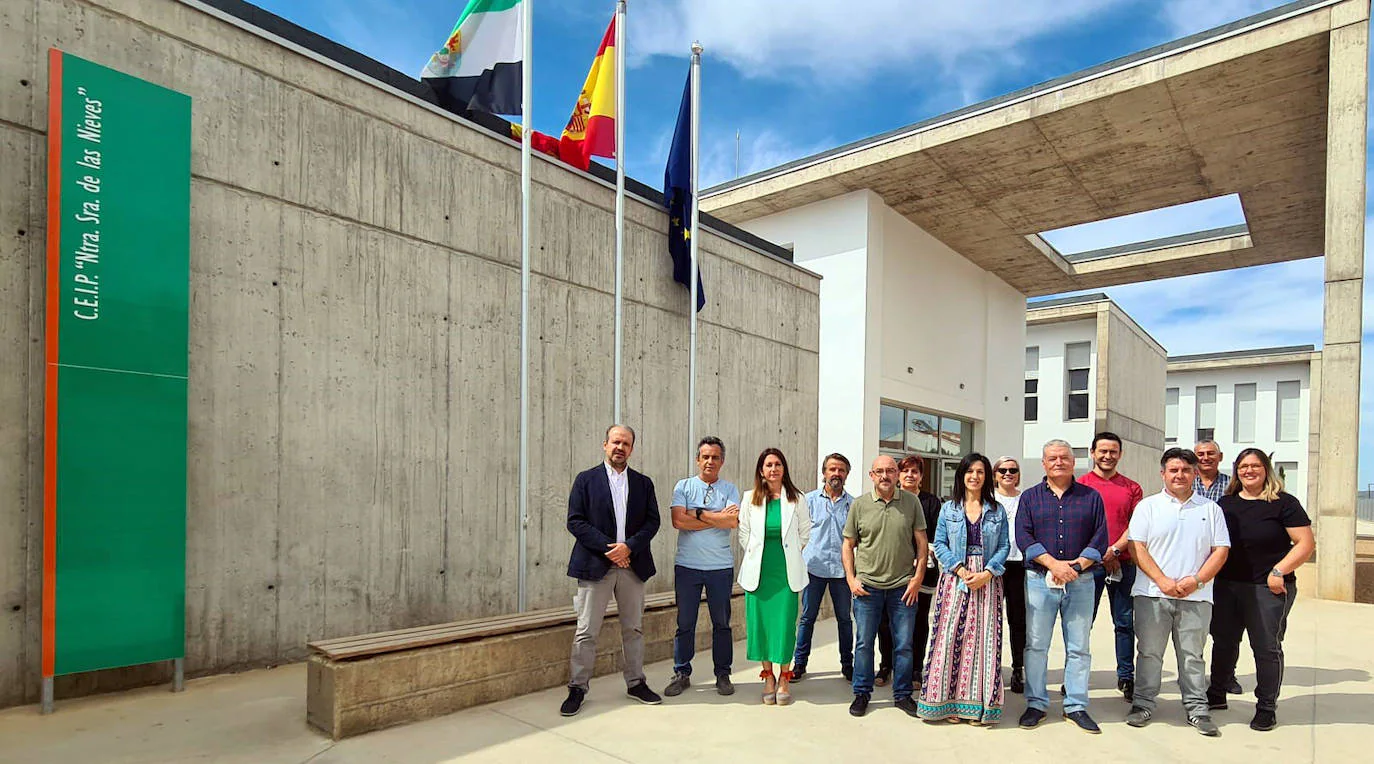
1262 398
1091 367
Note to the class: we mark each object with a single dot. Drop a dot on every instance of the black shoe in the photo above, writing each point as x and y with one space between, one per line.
1234 687
1138 717
1018 681
1264 721
643 694
848 673
906 704
1031 718
680 682
724 686
1084 722
573 704
798 673
1204 725
860 705
1062 691
1216 701
1127 688
883 676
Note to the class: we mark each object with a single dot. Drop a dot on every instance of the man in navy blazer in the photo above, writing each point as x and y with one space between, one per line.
613 515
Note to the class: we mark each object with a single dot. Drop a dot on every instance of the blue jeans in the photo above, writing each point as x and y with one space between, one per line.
1123 614
688 583
868 611
1073 605
812 595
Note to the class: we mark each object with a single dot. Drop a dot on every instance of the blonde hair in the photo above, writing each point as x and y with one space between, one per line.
1273 484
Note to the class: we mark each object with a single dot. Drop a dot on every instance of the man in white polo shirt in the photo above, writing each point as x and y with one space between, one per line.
1179 541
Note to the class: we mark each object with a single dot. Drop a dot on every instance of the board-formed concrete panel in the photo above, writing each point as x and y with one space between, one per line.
354 347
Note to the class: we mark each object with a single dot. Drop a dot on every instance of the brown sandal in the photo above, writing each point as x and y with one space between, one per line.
784 696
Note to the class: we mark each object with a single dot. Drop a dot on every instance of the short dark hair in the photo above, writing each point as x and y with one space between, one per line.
711 440
839 457
1186 454
912 461
1106 435
624 427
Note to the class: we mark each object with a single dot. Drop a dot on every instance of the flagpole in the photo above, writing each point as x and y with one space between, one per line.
692 307
526 133
619 197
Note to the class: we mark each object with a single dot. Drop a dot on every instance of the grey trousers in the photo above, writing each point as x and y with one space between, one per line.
590 605
1156 619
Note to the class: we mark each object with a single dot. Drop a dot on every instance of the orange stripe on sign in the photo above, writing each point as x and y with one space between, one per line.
50 367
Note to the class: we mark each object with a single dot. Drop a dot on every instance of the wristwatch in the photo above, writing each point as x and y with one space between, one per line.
698 511
1277 572
1076 567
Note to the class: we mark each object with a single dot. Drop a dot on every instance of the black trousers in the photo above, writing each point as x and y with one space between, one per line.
918 642
1254 610
1014 589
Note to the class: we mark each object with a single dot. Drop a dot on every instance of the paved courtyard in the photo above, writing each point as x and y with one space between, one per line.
1326 714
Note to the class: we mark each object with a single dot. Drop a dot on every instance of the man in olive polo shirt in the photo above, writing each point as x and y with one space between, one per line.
884 557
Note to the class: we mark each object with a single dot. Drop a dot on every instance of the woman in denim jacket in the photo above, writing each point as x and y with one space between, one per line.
964 663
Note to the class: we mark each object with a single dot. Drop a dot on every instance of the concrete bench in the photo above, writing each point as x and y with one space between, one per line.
372 681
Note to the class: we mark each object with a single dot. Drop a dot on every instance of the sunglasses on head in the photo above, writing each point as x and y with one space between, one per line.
1008 470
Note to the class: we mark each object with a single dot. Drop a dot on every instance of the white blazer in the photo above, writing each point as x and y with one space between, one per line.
796 531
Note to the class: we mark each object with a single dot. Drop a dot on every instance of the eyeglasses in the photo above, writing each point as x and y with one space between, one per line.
1008 471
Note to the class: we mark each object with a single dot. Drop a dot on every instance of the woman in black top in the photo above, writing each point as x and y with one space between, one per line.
1271 536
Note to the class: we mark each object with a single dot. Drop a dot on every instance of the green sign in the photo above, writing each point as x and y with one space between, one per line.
119 199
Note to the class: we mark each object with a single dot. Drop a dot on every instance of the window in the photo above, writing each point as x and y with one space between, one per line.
939 440
922 431
891 421
1080 453
1171 415
1077 363
1287 471
1245 413
1032 384
1287 425
1206 413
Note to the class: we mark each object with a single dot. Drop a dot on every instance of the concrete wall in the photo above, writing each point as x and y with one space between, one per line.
354 346
895 298
1265 379
1131 399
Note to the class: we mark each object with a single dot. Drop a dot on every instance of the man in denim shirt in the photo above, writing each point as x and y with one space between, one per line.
829 508
704 508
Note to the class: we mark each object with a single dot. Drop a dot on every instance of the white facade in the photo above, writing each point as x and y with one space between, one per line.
1047 343
1261 406
904 320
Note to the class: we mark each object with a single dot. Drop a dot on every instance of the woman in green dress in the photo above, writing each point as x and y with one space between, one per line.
774 525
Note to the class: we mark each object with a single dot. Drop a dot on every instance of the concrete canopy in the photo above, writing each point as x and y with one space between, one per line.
1239 109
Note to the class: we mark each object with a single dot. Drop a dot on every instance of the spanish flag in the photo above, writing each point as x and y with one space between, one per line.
591 129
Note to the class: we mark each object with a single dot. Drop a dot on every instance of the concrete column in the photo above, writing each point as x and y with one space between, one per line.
1338 451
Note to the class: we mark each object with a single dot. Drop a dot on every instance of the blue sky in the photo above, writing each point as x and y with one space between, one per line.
799 76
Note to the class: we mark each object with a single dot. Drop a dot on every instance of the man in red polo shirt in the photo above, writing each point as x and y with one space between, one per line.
1117 572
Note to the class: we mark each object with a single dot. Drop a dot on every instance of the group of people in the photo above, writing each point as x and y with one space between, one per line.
922 587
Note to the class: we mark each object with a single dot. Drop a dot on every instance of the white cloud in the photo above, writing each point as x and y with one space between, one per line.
759 149
1185 17
835 41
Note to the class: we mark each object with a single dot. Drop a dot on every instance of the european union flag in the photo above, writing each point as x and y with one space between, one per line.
677 195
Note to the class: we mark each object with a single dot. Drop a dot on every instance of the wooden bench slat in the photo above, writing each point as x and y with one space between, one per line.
363 645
